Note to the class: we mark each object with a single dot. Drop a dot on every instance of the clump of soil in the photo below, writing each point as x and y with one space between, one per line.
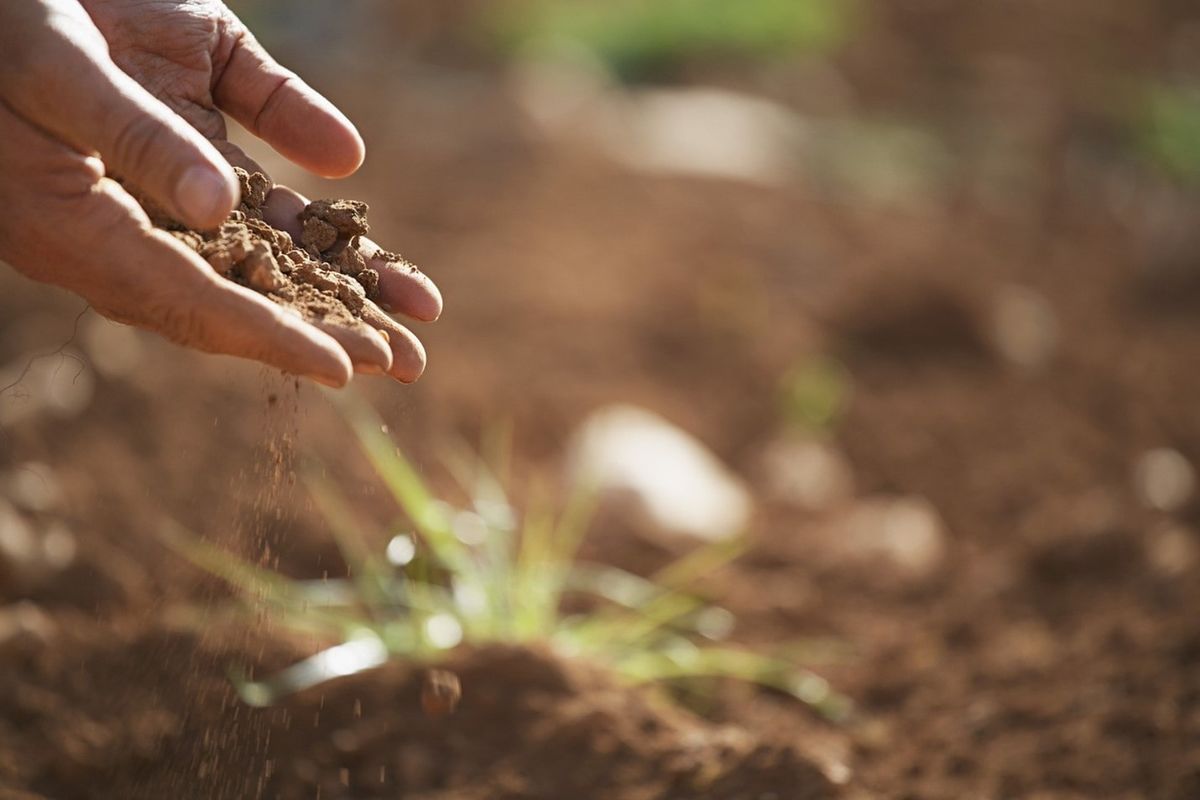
324 277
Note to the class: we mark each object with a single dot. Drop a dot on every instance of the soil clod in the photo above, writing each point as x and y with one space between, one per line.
324 278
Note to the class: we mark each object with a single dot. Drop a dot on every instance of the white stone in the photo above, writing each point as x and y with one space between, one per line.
806 473
58 546
674 482
34 486
709 133
19 547
1173 550
25 621
905 533
1164 479
1024 326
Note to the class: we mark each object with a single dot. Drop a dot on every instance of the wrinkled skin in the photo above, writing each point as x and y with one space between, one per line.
136 90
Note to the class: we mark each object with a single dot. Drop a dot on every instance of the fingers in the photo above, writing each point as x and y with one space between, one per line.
278 107
403 288
282 210
222 317
408 354
366 347
64 82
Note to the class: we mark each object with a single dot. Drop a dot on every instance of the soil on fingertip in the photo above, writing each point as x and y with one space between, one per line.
324 277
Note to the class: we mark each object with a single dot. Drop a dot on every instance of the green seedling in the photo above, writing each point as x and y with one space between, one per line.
814 393
1168 133
480 574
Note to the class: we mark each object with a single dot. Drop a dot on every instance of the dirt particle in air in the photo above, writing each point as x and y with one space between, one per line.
440 693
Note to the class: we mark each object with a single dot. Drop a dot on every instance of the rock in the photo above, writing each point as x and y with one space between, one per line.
1164 479
33 487
20 550
25 623
58 547
673 482
806 473
745 138
1173 550
902 535
29 555
1024 327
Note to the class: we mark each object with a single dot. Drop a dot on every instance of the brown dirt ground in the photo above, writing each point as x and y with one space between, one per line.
1054 654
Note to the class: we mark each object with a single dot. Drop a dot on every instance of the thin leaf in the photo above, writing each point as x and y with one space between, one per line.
405 484
369 572
348 658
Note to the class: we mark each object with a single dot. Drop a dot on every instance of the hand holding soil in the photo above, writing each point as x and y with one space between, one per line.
101 91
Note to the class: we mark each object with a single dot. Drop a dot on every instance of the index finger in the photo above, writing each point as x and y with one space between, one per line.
274 104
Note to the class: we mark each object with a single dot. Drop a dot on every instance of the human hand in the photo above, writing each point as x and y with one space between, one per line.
135 89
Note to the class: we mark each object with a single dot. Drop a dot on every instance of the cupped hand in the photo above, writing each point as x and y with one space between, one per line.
135 90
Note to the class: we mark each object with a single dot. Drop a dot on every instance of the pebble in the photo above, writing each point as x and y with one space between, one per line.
904 535
33 486
807 474
675 485
1024 326
25 622
1164 479
1173 550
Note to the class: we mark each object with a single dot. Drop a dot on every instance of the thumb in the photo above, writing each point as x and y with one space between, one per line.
72 89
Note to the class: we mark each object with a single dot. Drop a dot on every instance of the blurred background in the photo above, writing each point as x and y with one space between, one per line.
917 283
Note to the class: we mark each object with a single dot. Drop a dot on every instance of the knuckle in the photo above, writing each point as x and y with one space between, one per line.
85 226
134 141
180 312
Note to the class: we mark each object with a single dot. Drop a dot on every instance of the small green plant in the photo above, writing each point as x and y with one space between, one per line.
637 38
813 394
480 574
1169 131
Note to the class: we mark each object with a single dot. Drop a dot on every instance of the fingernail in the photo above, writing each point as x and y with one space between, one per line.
204 195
